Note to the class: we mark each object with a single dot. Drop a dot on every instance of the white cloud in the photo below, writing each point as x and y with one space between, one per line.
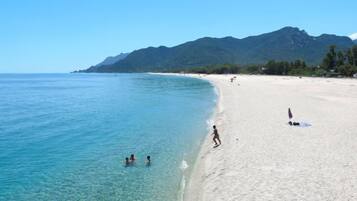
353 36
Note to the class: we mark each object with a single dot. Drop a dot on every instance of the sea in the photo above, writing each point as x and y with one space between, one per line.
65 136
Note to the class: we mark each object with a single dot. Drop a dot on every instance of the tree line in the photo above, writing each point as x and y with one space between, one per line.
335 63
342 62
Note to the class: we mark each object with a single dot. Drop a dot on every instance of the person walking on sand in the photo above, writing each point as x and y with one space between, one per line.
216 136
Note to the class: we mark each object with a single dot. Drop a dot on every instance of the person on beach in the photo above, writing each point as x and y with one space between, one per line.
292 123
290 114
148 161
216 136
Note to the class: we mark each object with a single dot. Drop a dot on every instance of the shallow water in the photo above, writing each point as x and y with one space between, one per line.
65 136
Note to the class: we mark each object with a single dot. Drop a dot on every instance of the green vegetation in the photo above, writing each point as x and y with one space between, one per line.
270 68
286 44
334 64
272 53
342 63
212 69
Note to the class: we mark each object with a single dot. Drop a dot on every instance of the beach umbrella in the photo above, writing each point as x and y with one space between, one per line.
290 114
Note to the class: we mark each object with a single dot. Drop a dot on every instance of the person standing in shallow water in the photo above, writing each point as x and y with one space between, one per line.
127 162
132 158
148 161
216 136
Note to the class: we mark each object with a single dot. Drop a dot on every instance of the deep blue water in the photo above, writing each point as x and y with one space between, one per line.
65 136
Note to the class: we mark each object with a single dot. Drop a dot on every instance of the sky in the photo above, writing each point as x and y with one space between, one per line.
58 36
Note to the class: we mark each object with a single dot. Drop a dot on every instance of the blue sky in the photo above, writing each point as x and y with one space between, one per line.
61 36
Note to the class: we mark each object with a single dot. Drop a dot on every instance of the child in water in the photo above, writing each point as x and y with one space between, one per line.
148 161
127 162
132 158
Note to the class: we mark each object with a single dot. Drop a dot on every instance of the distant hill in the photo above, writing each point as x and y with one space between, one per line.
355 41
107 61
288 44
112 59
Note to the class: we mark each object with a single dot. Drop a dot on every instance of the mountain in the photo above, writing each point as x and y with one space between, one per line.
287 44
107 61
355 41
112 59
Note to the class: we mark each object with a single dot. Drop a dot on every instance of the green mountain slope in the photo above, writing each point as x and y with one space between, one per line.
288 44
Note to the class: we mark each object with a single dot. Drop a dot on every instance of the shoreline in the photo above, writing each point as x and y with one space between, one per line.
193 185
274 161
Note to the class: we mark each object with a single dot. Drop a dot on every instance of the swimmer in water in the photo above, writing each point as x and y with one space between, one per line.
148 161
127 162
132 158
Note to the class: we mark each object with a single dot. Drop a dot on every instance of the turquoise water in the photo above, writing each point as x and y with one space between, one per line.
65 136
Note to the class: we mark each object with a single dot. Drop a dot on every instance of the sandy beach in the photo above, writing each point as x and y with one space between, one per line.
263 158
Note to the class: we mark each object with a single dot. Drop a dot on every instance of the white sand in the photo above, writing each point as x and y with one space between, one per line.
263 158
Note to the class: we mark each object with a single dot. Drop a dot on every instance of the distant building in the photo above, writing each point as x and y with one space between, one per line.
354 75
